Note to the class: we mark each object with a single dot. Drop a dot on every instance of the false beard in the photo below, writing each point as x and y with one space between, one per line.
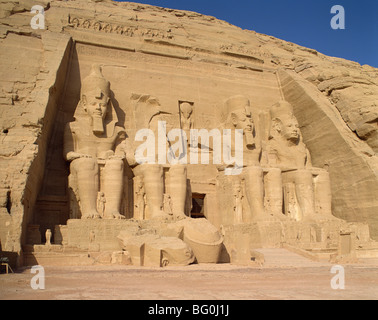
98 125
250 140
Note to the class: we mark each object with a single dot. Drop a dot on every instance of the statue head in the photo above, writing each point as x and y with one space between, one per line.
238 112
284 123
95 97
186 109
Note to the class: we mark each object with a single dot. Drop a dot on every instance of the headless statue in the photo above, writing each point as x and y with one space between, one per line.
149 112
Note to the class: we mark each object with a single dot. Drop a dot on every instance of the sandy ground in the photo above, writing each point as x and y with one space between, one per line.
283 276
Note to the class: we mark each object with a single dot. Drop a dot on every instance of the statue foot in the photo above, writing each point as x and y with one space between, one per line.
310 219
323 218
179 215
279 217
114 215
159 215
263 217
92 215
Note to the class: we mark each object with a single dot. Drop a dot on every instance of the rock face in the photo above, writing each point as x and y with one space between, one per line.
179 68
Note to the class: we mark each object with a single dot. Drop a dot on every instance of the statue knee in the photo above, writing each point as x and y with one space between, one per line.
323 183
84 164
323 176
303 177
178 170
151 169
275 173
254 171
273 178
114 165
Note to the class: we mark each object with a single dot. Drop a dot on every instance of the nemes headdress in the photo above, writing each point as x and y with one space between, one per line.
96 84
280 109
235 103
278 113
95 81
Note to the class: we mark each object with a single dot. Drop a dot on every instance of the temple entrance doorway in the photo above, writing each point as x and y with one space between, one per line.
198 206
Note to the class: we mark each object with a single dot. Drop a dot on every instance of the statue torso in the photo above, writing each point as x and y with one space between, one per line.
288 156
86 142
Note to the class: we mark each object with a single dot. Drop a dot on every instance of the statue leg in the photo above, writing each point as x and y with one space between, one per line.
254 187
154 187
178 189
86 172
113 188
304 189
323 193
274 192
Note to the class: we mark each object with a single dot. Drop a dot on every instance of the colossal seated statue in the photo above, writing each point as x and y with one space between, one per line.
91 146
237 115
306 189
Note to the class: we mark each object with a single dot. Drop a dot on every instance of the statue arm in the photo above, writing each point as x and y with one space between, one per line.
308 159
68 143
274 161
129 152
121 137
69 152
271 156
117 151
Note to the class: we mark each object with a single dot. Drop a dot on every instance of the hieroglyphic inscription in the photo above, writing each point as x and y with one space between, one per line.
242 52
128 31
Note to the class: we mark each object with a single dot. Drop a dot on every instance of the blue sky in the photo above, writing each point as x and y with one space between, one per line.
304 22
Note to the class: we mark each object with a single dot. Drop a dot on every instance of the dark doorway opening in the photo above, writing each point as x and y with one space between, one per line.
198 206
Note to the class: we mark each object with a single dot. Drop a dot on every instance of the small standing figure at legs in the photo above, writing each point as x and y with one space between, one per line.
101 203
48 237
238 204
